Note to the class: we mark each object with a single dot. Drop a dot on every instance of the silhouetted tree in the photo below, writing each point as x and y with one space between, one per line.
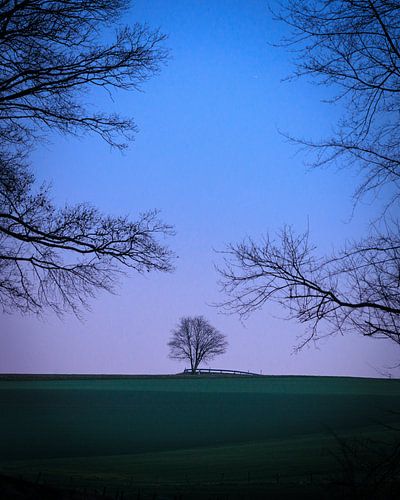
195 340
356 290
51 54
355 46
368 466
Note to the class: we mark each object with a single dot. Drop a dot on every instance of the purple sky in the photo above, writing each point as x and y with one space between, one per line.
208 155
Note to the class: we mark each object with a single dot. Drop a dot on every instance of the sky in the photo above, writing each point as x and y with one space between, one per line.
211 157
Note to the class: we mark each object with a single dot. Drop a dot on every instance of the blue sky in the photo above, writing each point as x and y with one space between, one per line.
209 155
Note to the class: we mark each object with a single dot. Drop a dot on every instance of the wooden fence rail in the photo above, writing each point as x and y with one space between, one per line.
220 371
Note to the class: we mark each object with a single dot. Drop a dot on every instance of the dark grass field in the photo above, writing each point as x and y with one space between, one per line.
197 436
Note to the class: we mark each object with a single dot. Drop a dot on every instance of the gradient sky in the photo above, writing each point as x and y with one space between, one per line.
208 155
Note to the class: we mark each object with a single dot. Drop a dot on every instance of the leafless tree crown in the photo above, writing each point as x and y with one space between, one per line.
355 46
52 53
356 290
195 340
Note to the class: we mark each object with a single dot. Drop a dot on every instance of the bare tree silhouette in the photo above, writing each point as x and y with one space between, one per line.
355 290
195 340
353 45
52 54
368 466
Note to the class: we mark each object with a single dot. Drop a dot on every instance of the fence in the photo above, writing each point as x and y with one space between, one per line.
220 371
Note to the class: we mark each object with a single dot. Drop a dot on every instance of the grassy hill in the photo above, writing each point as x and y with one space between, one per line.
192 435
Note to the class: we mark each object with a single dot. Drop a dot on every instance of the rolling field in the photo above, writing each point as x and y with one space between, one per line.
194 436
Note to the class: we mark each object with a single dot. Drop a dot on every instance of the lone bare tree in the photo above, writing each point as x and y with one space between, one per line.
52 53
355 46
195 340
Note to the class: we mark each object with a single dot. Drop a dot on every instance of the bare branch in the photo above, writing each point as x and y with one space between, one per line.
50 56
354 46
355 290
58 258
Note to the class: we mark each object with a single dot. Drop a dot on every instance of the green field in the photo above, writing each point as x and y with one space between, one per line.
194 436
